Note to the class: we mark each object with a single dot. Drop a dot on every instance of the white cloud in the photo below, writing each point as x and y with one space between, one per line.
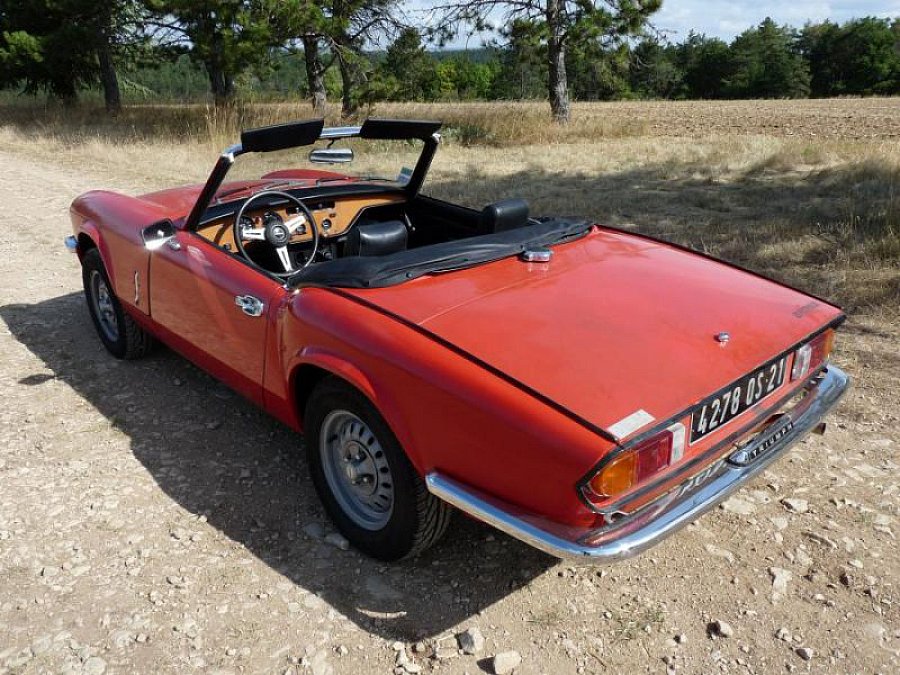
725 19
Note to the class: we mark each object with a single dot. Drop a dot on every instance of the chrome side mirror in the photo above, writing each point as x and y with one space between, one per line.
331 156
157 234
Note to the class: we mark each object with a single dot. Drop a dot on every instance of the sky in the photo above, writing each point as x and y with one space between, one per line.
727 18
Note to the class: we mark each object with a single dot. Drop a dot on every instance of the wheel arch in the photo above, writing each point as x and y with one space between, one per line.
85 244
90 238
316 365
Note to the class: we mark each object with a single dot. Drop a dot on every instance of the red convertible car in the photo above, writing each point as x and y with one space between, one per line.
584 389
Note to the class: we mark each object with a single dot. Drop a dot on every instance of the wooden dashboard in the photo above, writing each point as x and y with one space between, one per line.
333 215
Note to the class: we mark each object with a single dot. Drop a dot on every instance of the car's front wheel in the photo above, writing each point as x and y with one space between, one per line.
119 333
366 482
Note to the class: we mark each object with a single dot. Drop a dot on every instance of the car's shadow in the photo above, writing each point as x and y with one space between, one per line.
219 456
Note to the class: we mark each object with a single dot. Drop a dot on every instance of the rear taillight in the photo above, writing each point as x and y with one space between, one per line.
633 466
813 354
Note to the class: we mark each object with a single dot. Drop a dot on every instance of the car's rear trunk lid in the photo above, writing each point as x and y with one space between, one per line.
614 324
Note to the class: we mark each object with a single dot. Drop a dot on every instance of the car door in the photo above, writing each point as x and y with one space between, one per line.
214 308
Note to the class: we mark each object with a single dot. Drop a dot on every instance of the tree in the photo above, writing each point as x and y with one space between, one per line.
117 25
334 31
407 72
61 46
767 64
305 21
226 36
523 63
653 69
861 57
598 73
354 24
706 65
560 23
816 43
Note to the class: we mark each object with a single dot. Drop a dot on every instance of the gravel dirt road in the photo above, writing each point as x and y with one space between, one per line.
153 522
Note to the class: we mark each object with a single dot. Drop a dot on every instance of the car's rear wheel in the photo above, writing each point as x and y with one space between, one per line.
119 333
366 482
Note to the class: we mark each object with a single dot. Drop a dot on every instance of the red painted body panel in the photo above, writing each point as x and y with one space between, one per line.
114 222
447 412
613 324
193 292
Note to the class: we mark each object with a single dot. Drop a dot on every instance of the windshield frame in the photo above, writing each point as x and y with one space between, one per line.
298 134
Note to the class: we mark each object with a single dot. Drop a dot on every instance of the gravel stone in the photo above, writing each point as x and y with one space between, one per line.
445 653
719 628
780 522
314 531
804 653
94 666
740 506
795 505
820 539
337 540
780 579
506 662
471 641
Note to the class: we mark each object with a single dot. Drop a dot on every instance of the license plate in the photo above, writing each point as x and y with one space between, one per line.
736 398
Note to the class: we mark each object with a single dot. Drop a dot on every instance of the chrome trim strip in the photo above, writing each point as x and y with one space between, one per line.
339 132
71 243
638 532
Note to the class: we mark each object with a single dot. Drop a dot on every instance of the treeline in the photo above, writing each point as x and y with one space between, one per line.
323 49
858 58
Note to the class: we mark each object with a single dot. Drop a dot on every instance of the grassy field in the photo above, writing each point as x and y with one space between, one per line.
805 191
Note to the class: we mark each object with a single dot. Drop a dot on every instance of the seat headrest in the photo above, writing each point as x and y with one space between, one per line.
376 239
501 216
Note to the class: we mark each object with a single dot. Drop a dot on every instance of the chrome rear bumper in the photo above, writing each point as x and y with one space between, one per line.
643 529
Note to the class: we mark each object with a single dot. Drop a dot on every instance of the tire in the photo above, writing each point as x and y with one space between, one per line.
340 422
119 333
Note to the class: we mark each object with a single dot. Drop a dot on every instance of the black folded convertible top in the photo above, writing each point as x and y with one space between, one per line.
387 270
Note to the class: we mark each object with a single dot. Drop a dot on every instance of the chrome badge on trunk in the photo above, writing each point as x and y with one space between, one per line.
756 448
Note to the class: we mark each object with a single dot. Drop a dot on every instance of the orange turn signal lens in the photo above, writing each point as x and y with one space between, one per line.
823 346
617 477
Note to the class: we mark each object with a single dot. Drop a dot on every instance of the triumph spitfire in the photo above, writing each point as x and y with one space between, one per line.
585 389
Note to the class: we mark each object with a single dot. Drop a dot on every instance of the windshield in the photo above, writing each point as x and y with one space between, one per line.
389 161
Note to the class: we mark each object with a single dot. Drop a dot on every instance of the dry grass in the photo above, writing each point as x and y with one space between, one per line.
804 191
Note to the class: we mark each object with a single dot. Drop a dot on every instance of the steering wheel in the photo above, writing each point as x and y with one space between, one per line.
276 232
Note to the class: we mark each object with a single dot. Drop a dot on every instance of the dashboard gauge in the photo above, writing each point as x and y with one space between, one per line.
246 223
270 218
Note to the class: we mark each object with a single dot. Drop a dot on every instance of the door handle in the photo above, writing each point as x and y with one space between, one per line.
249 305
